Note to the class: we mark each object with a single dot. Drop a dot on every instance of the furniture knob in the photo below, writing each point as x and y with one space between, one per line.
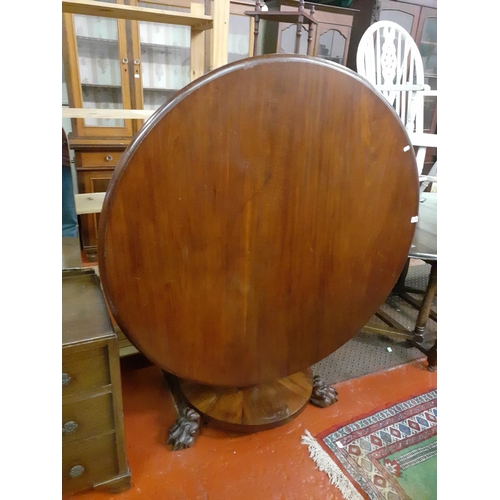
125 60
137 61
69 427
66 379
76 471
108 158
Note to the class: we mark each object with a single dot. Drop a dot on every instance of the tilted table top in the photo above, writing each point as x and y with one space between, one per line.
258 220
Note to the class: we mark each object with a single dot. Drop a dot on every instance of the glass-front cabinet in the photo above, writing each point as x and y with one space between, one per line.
121 64
330 39
97 71
126 64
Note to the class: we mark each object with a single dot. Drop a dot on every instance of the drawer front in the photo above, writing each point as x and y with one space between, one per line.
84 369
86 418
100 158
87 462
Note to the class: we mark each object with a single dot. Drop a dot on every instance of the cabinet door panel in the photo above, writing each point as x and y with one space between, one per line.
161 59
333 43
288 34
239 37
427 44
406 15
91 182
97 63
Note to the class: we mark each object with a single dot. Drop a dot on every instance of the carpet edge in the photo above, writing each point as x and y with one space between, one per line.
326 464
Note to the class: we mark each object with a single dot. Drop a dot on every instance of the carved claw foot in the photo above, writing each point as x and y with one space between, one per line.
322 395
185 431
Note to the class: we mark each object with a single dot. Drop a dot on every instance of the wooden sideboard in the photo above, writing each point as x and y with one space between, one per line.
93 445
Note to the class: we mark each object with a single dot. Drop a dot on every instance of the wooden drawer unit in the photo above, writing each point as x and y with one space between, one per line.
102 159
93 445
87 418
85 369
88 463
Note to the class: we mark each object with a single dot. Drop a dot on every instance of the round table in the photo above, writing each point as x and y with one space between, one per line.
253 226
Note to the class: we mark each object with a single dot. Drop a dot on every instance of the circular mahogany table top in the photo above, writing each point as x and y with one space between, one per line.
258 220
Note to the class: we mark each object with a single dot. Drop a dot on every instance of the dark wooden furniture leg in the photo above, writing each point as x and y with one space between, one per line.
432 358
424 312
322 395
186 429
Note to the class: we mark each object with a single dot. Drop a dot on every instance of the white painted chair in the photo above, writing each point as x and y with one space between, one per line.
389 59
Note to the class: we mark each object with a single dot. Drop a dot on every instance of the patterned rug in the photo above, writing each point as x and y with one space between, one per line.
390 454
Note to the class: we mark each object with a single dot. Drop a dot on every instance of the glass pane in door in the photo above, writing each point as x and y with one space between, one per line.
428 46
99 66
428 50
332 46
287 42
239 38
165 61
404 19
165 57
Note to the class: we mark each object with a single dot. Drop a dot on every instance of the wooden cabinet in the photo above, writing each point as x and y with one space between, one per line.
125 64
331 37
94 170
93 446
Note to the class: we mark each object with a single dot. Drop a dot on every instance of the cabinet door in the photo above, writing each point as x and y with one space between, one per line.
427 43
287 36
161 57
91 181
240 36
405 14
96 65
333 42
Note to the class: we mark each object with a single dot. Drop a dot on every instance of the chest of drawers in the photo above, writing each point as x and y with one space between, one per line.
93 445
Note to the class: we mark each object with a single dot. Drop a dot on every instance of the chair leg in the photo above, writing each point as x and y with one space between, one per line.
423 316
425 308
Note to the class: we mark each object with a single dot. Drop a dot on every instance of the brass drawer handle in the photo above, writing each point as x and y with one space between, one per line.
69 427
66 379
108 158
76 471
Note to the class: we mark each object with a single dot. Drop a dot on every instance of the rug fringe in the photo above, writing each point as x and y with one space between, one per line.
326 464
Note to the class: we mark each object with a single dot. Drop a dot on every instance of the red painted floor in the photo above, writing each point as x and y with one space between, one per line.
269 465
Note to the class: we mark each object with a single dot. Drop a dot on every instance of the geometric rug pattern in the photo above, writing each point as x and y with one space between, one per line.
390 454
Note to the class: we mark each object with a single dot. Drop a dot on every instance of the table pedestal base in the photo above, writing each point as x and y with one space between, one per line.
250 409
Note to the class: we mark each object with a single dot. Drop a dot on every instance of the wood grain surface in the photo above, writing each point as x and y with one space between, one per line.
251 409
258 220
